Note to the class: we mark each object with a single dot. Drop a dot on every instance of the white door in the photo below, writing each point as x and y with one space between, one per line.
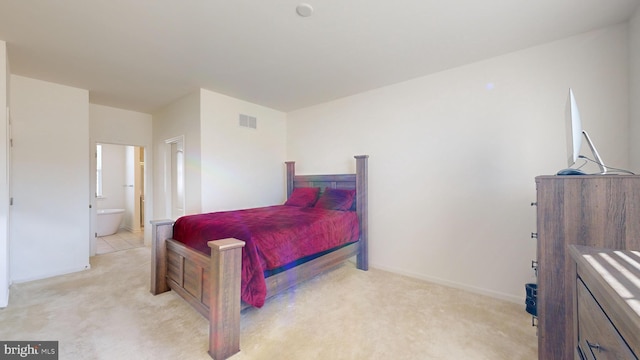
175 177
138 218
5 196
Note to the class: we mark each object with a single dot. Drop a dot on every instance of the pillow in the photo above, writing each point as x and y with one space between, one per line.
336 199
303 197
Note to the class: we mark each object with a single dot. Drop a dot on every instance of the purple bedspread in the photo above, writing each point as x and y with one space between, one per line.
275 236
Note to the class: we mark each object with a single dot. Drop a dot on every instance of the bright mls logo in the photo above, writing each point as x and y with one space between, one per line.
10 350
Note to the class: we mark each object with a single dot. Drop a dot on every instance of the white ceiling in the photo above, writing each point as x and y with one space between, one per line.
143 54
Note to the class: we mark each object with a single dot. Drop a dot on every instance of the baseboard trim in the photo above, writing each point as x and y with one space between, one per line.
456 285
57 273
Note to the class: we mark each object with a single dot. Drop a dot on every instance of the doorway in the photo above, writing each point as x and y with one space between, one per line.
175 176
120 187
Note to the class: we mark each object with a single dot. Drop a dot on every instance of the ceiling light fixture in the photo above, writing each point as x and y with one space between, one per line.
304 10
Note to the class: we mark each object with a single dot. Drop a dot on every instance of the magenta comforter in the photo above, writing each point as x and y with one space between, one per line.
275 236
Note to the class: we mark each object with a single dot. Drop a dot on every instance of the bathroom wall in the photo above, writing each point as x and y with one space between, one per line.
133 192
121 183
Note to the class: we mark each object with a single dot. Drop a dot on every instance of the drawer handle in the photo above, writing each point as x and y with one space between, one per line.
595 346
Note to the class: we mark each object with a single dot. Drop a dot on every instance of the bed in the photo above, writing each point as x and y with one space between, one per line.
213 283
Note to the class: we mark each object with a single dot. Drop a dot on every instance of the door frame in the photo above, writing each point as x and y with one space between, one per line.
93 191
169 171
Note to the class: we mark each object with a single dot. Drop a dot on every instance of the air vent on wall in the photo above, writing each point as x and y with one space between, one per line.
248 121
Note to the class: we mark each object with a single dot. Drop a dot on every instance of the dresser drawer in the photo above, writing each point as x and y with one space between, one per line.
597 336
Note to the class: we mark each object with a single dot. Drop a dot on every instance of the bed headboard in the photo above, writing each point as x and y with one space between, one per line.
357 181
338 181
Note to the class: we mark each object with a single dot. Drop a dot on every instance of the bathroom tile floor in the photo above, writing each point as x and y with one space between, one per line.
122 240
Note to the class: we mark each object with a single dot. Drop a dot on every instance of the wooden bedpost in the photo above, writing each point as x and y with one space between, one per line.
161 231
291 172
224 294
362 206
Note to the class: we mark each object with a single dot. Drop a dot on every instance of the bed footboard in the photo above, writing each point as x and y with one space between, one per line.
161 231
224 299
362 209
210 284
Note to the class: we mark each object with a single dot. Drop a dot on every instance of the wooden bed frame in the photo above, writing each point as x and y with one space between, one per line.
212 284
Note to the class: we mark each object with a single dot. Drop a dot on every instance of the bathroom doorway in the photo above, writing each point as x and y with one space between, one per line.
120 190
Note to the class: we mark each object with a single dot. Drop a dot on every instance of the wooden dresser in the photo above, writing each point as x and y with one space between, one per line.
600 211
607 304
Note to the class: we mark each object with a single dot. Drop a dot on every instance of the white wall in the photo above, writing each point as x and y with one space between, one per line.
241 167
118 126
180 118
453 155
634 89
50 179
110 125
227 166
4 180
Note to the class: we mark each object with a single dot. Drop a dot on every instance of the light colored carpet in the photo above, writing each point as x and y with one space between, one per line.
108 313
